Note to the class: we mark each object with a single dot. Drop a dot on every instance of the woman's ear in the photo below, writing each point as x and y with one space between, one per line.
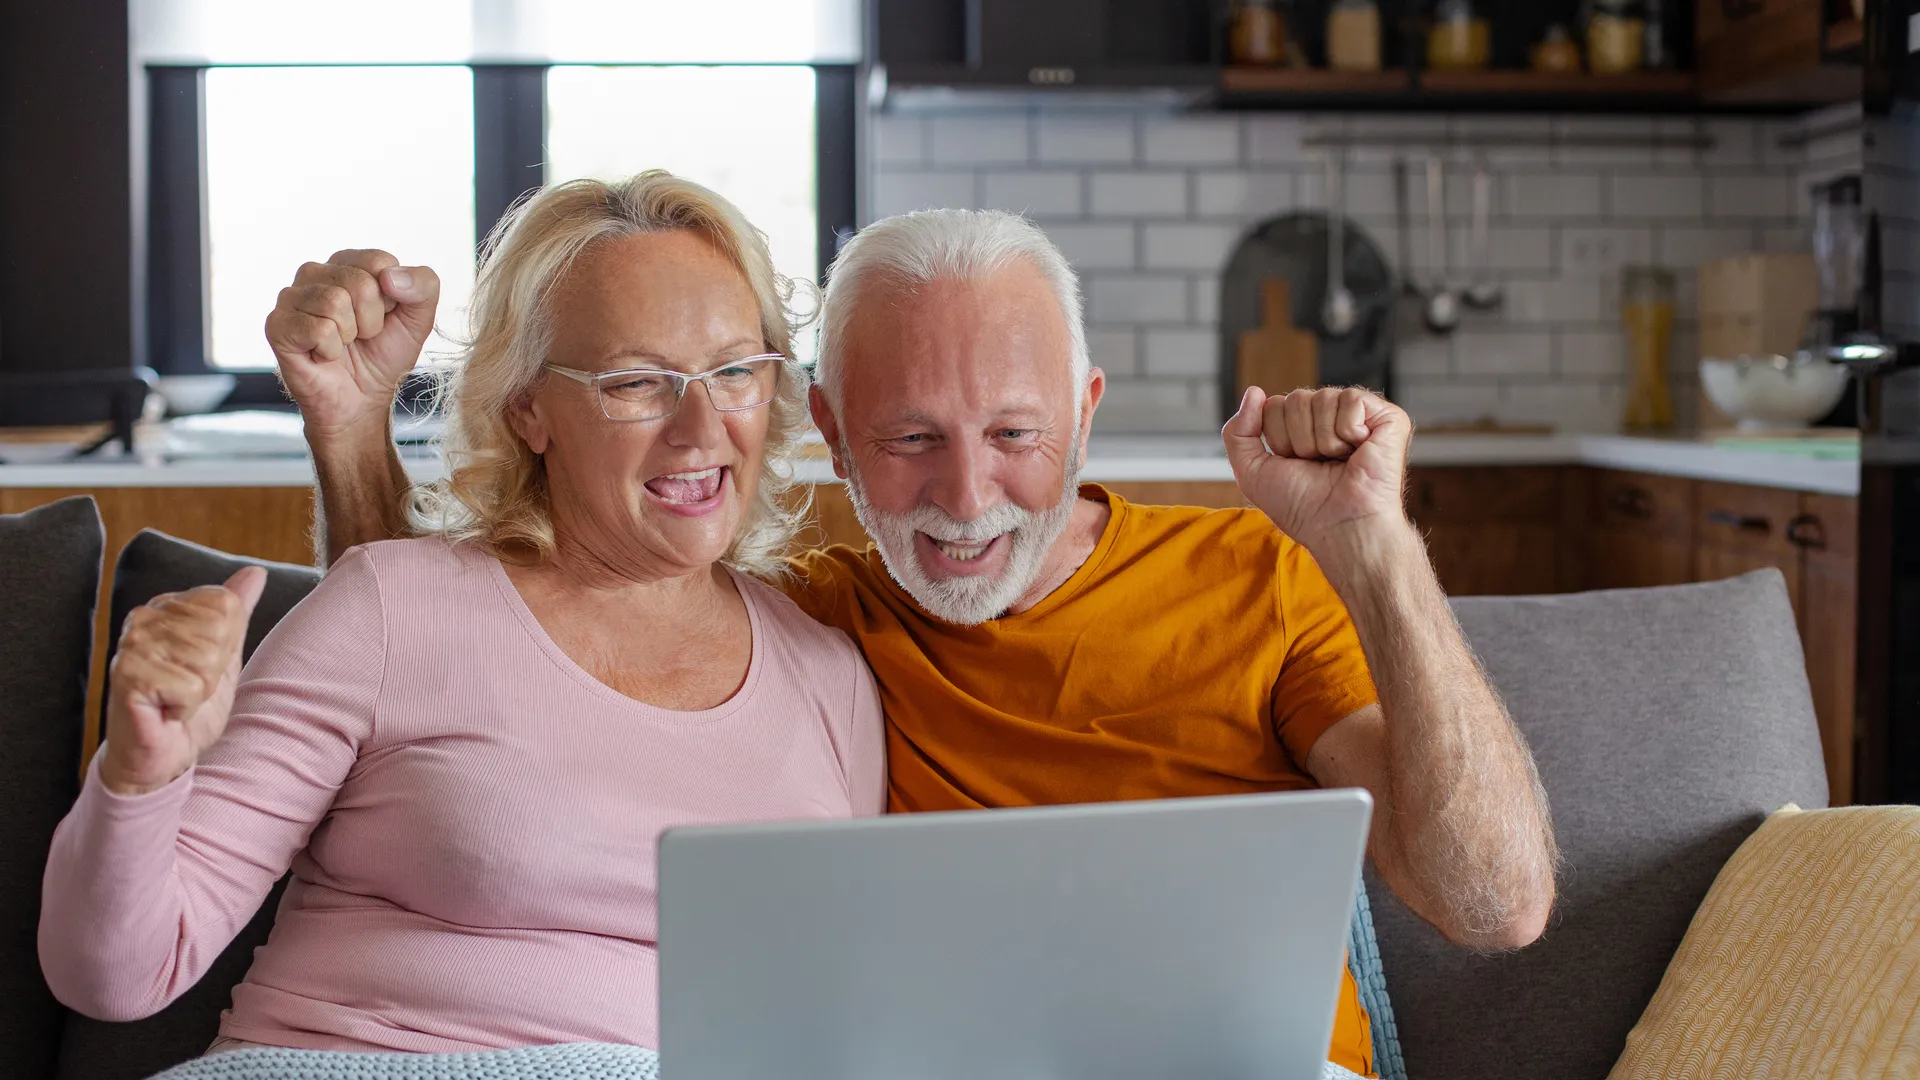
529 421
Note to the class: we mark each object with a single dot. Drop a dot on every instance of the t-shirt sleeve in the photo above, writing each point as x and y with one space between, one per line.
142 893
1324 677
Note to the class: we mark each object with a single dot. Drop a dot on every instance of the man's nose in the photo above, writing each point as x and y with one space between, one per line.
968 486
696 422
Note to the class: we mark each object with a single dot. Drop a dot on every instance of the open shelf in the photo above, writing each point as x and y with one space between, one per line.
1264 80
1572 83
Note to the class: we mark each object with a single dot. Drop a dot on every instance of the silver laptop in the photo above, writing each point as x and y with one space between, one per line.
1189 938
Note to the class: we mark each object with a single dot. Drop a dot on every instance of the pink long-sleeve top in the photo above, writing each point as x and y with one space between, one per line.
469 816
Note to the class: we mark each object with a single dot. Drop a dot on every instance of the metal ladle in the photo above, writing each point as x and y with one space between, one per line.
1339 313
1483 293
1442 312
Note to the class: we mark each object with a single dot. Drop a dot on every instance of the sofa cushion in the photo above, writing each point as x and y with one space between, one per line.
153 563
1802 961
1667 723
49 585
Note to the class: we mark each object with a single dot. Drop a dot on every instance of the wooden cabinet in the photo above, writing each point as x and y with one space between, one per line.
1738 528
1638 530
1057 44
1492 530
1827 533
1775 51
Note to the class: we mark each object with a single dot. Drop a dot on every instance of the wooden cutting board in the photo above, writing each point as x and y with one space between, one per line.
1275 356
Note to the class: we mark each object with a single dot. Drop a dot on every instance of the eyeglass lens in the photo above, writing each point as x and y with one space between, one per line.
650 395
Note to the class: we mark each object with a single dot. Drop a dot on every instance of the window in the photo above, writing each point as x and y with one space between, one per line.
746 132
304 161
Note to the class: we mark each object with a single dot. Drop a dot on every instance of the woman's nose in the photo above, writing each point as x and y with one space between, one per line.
695 422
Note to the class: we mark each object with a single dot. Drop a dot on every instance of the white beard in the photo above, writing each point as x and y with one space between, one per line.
972 599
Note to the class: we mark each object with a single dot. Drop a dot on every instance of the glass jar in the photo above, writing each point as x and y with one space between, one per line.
1257 33
1616 37
1460 39
1646 312
1353 36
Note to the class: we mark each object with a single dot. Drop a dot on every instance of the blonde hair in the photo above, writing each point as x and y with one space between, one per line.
495 493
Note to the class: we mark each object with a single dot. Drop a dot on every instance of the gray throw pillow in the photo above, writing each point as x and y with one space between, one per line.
49 584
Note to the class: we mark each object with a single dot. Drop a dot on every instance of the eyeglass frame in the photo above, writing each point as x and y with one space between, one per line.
681 380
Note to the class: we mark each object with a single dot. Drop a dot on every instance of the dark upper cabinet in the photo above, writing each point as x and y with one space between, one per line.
1045 43
1762 51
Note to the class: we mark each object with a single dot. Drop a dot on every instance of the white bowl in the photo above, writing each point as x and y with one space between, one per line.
186 395
1773 391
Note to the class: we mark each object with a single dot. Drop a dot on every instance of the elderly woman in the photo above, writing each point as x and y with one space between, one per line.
465 746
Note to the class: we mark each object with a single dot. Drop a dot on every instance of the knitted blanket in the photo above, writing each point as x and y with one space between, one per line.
567 1061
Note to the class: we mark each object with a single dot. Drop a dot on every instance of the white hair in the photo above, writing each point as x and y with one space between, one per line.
926 245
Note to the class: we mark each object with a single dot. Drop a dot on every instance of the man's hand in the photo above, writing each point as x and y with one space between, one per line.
173 679
346 332
1337 459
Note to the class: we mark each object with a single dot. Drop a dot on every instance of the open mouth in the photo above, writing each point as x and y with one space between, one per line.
688 488
956 557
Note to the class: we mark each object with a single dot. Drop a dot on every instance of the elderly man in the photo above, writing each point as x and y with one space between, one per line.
1037 640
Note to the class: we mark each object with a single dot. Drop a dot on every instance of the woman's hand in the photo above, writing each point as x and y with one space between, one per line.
172 681
346 332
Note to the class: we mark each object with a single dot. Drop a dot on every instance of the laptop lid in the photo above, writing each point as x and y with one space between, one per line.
1186 937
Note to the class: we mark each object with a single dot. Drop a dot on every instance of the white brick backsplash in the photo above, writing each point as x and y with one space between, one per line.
898 140
1141 406
1647 196
1189 247
1147 206
1206 300
1190 141
899 192
1517 352
1686 246
1592 352
1555 300
1181 353
1137 298
1095 246
968 140
1084 140
1600 251
1116 352
1423 356
1147 194
1274 139
1552 195
1749 196
1571 406
1433 401
1039 194
1243 195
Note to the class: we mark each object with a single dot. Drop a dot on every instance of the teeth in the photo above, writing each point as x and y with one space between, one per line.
701 475
958 553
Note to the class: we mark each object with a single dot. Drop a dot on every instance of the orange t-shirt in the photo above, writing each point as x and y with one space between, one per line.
1195 652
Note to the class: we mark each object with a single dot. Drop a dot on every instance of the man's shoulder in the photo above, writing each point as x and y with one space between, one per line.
820 580
1203 535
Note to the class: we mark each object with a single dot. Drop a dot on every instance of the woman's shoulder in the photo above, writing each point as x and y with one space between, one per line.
423 568
793 630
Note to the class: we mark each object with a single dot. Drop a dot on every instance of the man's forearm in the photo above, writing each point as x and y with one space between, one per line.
1465 825
360 494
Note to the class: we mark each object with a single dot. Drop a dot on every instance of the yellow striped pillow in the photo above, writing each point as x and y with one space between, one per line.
1803 961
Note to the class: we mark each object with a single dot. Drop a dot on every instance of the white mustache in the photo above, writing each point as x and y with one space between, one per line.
940 525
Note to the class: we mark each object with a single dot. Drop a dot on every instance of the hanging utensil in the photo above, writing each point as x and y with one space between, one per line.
1403 229
1442 312
1484 294
1339 313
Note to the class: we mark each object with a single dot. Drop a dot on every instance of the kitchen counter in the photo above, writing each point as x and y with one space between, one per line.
1109 458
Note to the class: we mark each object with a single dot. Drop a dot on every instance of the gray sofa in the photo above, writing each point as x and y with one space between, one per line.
1666 722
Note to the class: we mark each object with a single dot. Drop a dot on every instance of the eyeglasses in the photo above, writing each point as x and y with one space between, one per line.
651 394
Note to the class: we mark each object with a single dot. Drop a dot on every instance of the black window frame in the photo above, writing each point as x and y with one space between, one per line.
509 121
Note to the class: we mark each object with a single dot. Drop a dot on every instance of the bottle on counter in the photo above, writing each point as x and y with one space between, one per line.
1646 310
1257 33
1353 36
1460 38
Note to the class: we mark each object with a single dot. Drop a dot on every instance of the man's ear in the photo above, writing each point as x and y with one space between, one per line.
1089 401
829 426
529 421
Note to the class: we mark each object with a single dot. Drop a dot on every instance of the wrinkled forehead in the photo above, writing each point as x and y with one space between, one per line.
952 345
